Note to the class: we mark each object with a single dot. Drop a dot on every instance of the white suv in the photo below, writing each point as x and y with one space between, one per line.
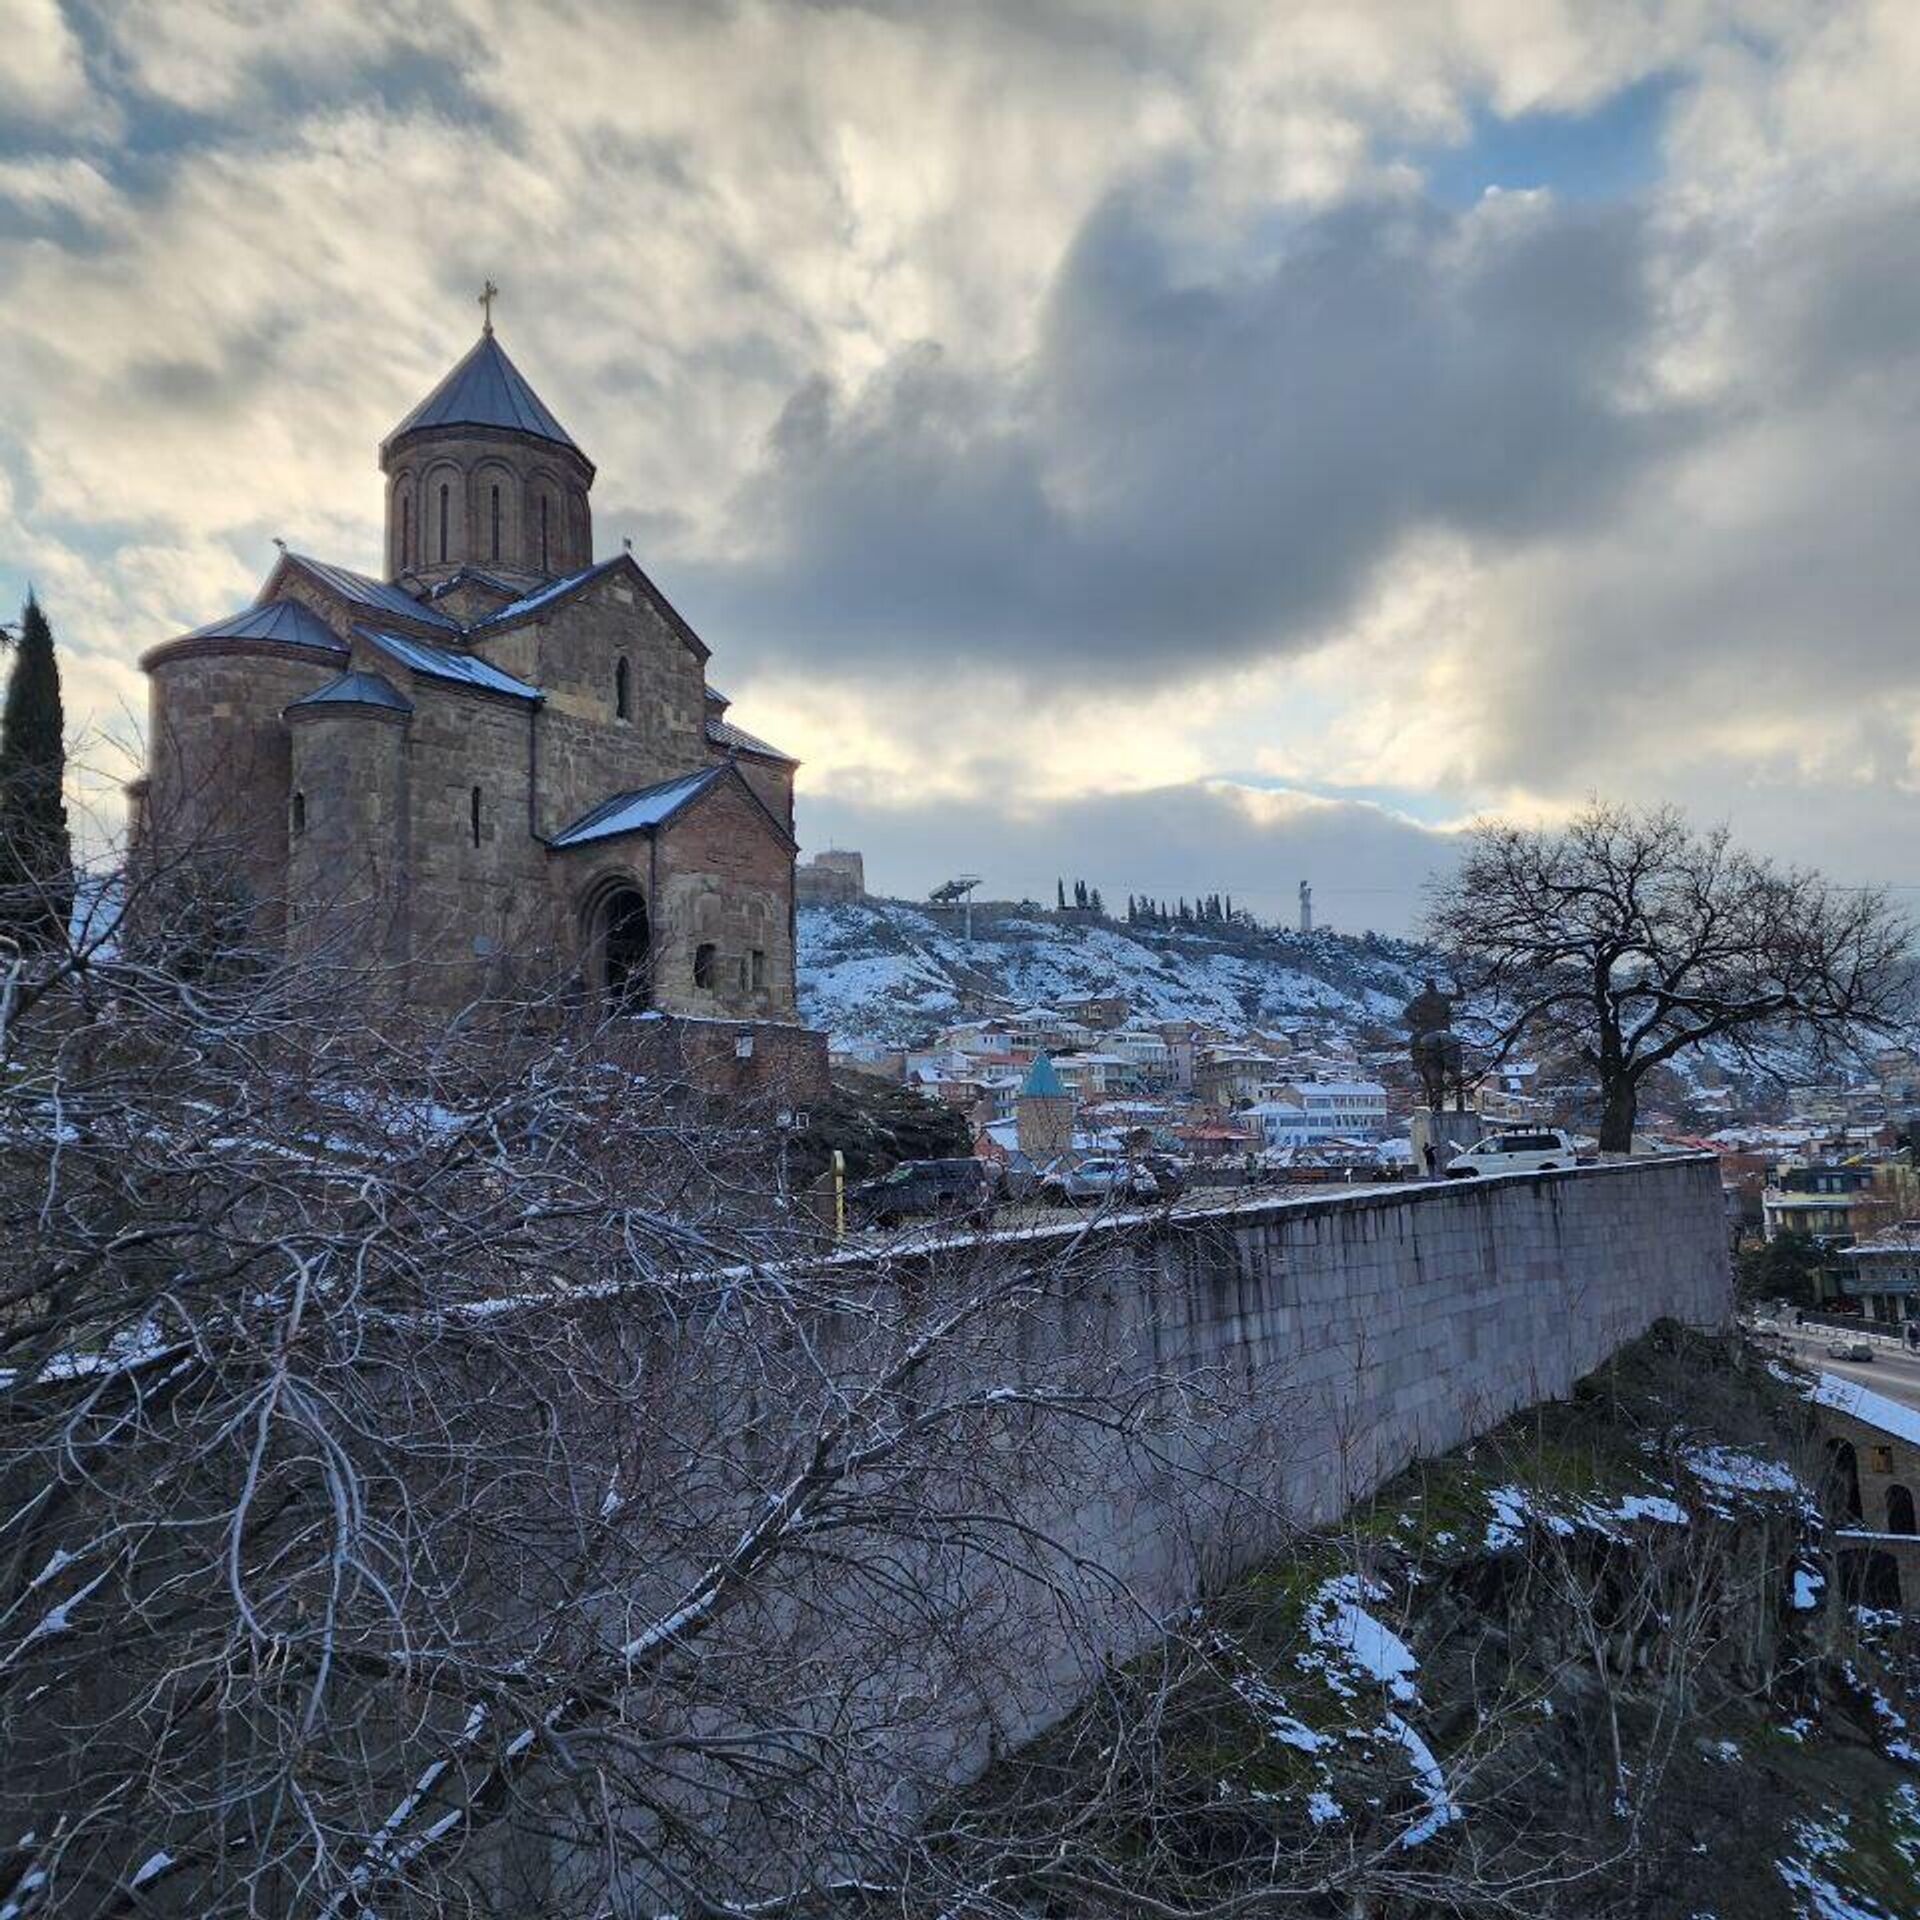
1523 1150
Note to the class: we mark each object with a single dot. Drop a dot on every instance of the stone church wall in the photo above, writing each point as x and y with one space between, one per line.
474 903
348 868
723 881
586 753
220 760
772 781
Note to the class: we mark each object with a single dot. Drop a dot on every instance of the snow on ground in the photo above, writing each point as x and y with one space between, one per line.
1515 1508
1734 1470
888 972
1806 1874
1339 1624
1441 1810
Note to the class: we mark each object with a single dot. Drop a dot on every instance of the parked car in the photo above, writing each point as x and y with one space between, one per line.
1849 1350
922 1189
1108 1179
1520 1150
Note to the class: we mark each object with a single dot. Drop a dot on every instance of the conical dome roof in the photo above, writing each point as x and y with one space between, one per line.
486 390
1042 1083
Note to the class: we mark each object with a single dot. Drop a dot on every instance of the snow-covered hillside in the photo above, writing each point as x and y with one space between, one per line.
889 972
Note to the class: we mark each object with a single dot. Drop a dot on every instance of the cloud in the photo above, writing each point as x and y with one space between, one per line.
1039 406
1366 863
1193 472
43 80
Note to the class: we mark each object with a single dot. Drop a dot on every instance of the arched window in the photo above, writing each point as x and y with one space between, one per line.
703 958
473 814
622 691
406 530
1899 1509
443 520
544 567
299 812
496 520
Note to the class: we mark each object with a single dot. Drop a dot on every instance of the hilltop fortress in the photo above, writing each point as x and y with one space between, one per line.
508 749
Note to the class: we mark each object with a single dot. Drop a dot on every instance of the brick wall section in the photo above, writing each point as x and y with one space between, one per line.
780 1064
1884 1461
718 875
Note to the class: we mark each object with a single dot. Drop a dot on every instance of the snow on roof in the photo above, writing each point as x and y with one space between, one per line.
541 596
723 733
382 595
1850 1397
443 663
637 811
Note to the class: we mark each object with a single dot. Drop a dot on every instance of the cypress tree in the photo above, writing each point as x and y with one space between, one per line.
36 854
1060 893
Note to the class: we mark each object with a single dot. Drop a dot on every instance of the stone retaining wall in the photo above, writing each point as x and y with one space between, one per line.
1341 1336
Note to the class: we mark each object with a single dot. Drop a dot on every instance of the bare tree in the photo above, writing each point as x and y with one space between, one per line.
1629 938
436 1477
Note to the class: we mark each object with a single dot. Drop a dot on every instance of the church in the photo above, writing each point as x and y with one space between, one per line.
506 751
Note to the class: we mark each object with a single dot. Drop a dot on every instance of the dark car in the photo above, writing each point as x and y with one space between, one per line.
923 1189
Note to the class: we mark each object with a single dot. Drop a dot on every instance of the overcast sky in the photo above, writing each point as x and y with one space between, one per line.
1197 446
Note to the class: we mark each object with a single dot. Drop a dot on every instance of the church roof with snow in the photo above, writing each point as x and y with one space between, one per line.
444 663
642 808
486 390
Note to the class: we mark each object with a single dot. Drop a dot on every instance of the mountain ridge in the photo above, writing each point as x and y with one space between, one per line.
881 972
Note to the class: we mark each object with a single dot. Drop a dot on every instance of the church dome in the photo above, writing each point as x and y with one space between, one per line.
481 474
485 390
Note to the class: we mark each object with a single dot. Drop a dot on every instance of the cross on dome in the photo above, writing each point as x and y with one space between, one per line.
489 293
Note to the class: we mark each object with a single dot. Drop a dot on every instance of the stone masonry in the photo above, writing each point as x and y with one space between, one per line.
1340 1337
502 755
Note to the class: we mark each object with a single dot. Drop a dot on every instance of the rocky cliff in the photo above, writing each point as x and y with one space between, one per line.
1599 1664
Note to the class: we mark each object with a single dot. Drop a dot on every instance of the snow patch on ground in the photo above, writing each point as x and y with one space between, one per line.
1515 1509
1341 1627
1441 1810
1735 1470
1806 1874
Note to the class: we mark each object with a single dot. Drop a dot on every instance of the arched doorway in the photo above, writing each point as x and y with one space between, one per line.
624 940
1843 1480
1870 1578
1899 1509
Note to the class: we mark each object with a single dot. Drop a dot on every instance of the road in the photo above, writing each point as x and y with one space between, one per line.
1891 1371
